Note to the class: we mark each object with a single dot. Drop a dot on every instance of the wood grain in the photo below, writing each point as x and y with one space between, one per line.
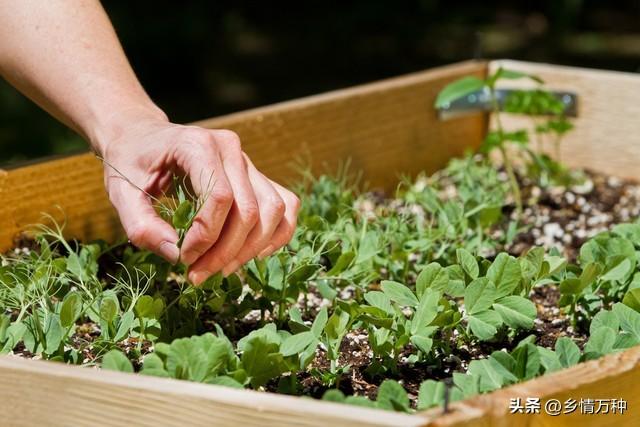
38 393
386 128
614 376
606 137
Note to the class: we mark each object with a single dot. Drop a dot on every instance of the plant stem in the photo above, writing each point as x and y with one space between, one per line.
505 158
513 182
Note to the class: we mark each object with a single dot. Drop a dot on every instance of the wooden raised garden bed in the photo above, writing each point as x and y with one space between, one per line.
387 129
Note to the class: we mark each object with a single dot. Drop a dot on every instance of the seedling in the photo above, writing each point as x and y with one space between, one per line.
531 102
414 280
180 211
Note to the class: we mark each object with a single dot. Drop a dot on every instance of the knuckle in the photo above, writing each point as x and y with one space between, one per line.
295 202
222 196
229 137
195 136
277 205
250 213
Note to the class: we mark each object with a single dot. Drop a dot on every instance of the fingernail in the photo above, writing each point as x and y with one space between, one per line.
197 277
231 268
266 252
169 251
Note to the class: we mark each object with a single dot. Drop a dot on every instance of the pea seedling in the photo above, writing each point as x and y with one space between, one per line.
181 212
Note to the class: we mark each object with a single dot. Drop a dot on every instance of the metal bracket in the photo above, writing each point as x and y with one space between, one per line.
480 102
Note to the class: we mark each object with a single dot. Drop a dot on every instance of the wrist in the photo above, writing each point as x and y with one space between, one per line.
109 129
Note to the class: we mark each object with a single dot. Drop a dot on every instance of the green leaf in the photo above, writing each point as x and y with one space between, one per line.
425 313
531 263
115 360
528 361
431 393
53 333
479 295
275 273
380 300
423 343
491 373
468 384
567 351
618 268
149 307
336 325
75 267
182 215
572 286
399 293
391 395
71 309
368 248
549 360
458 89
12 336
505 359
152 361
628 231
516 311
604 318
590 273
344 260
319 322
295 344
225 381
629 319
601 341
485 324
505 274
502 73
262 361
5 321
556 263
109 307
468 262
333 395
125 325
632 299
432 276
359 401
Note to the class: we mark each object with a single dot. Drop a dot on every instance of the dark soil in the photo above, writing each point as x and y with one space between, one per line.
555 217
566 218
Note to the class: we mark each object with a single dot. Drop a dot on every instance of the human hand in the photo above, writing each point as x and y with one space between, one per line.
244 215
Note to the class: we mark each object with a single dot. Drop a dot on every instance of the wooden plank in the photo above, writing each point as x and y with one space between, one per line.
386 128
615 376
605 139
45 393
606 135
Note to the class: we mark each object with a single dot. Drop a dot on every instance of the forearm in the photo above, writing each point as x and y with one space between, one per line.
65 55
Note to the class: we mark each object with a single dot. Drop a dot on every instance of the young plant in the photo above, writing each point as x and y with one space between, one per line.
531 102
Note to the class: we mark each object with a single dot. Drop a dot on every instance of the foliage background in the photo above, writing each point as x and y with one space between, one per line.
203 58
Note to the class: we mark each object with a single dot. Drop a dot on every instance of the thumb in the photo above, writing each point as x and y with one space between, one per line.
144 228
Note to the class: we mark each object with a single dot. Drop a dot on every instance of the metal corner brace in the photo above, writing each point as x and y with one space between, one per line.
480 102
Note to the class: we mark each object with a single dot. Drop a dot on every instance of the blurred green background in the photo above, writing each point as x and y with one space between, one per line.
204 58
